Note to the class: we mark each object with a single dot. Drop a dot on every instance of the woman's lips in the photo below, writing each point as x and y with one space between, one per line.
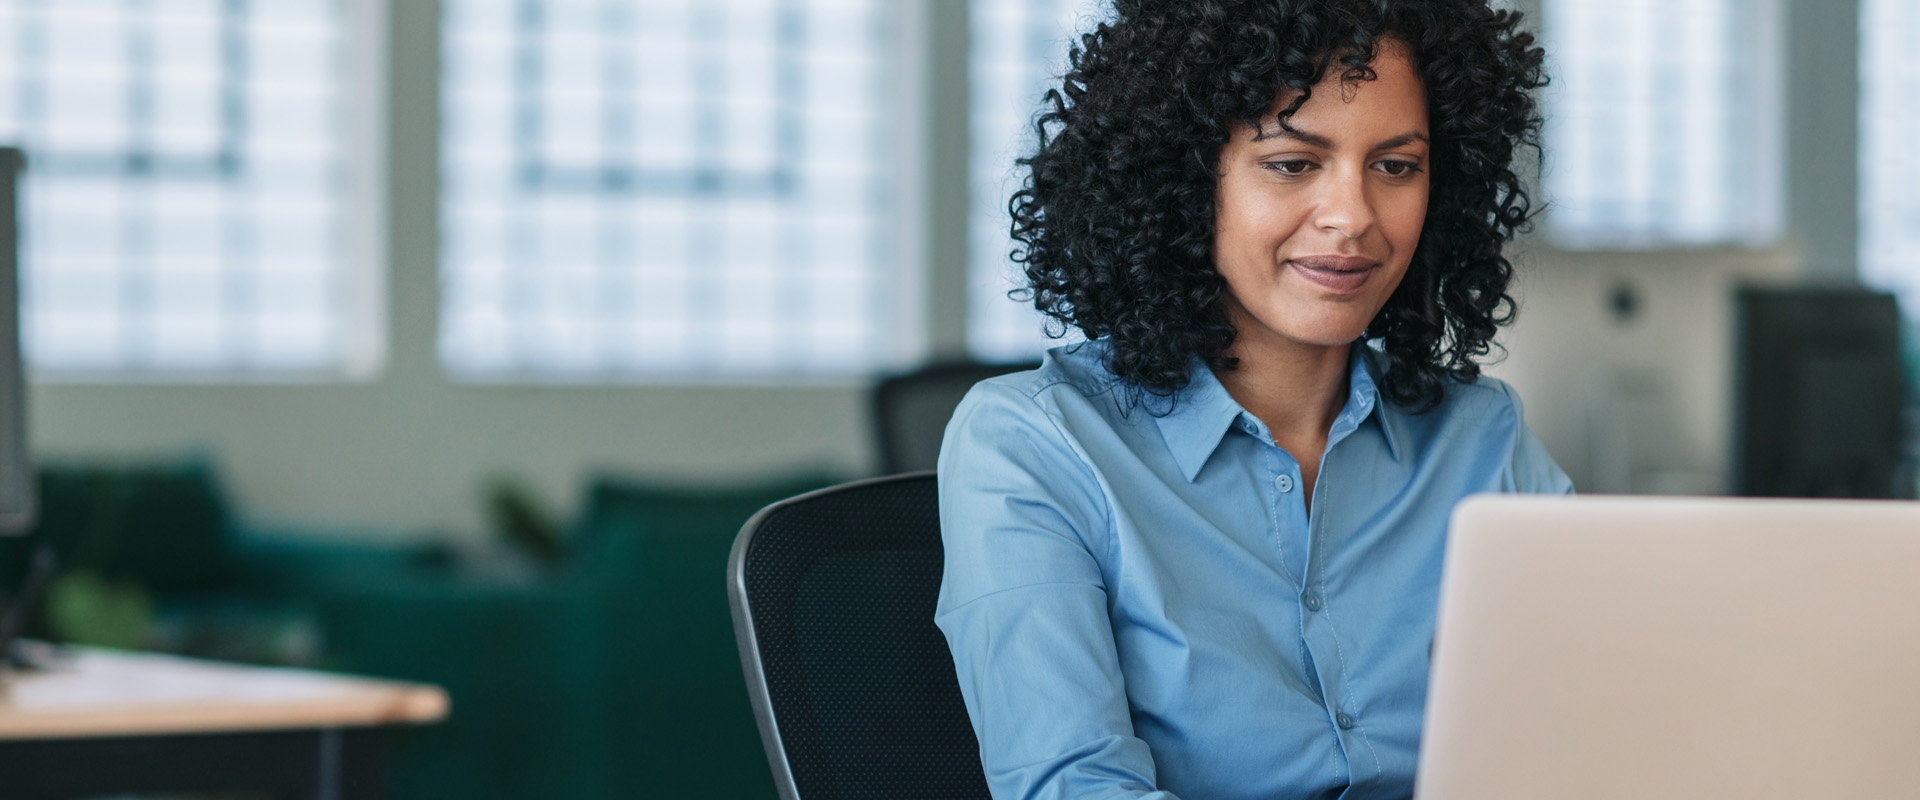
1337 274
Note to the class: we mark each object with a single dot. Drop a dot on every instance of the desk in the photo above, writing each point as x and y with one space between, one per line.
103 722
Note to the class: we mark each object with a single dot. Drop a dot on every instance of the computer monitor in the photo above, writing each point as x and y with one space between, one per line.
1820 391
16 471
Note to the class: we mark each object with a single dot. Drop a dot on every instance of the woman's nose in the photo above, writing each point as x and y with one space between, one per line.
1345 207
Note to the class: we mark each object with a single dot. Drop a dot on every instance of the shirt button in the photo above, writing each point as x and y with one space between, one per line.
1312 601
1346 722
1284 483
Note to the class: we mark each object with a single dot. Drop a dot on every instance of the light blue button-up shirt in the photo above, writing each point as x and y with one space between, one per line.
1140 604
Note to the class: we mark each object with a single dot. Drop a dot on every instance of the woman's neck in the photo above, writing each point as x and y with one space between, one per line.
1296 391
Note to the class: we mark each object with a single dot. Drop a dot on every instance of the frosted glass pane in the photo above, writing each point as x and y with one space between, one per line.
1661 128
633 189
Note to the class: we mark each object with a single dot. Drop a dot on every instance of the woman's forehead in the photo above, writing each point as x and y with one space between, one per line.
1392 96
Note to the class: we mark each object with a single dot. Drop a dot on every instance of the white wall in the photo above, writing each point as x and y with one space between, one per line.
1568 350
410 453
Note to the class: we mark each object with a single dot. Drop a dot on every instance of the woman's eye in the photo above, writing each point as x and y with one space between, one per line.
1290 167
1398 169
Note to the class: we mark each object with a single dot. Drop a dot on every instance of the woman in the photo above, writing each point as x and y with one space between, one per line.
1198 555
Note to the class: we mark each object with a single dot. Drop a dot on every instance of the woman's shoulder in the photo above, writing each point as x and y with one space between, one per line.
1079 367
1066 404
1026 434
1071 378
1484 396
1481 401
1481 418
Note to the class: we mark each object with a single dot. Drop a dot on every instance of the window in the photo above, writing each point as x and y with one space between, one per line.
1889 167
665 189
183 196
1661 123
1019 50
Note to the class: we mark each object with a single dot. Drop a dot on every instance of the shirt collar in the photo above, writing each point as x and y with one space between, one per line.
1363 397
1203 412
1201 415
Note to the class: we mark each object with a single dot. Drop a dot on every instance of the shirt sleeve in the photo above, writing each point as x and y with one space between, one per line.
1024 607
1531 469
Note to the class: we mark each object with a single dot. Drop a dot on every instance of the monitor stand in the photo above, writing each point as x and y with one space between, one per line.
15 653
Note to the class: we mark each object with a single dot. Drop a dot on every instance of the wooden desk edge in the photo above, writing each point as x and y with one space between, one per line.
406 705
363 702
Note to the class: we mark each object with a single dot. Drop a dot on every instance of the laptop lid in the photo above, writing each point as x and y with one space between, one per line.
1627 647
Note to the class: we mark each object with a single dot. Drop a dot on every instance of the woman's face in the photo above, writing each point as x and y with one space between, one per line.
1315 225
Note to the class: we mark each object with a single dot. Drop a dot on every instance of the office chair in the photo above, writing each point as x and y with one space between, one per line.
910 411
853 686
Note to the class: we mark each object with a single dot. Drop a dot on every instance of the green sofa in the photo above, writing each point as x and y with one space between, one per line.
611 674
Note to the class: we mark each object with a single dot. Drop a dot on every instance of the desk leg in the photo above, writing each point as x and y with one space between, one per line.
352 765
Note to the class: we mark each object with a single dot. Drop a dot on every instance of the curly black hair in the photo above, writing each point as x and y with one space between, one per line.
1114 225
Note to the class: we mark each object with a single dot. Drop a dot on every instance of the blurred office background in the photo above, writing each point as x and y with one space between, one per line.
459 297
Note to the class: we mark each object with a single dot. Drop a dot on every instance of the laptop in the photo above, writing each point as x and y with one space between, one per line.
1645 648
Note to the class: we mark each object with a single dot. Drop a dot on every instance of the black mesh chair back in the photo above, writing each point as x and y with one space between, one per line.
910 411
833 595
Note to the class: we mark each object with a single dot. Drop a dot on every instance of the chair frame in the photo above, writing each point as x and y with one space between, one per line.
749 641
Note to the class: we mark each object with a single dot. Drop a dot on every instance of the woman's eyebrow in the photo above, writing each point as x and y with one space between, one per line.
1311 139
1290 132
1402 140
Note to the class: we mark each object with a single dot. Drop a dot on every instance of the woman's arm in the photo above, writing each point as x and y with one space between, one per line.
1024 607
1530 469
